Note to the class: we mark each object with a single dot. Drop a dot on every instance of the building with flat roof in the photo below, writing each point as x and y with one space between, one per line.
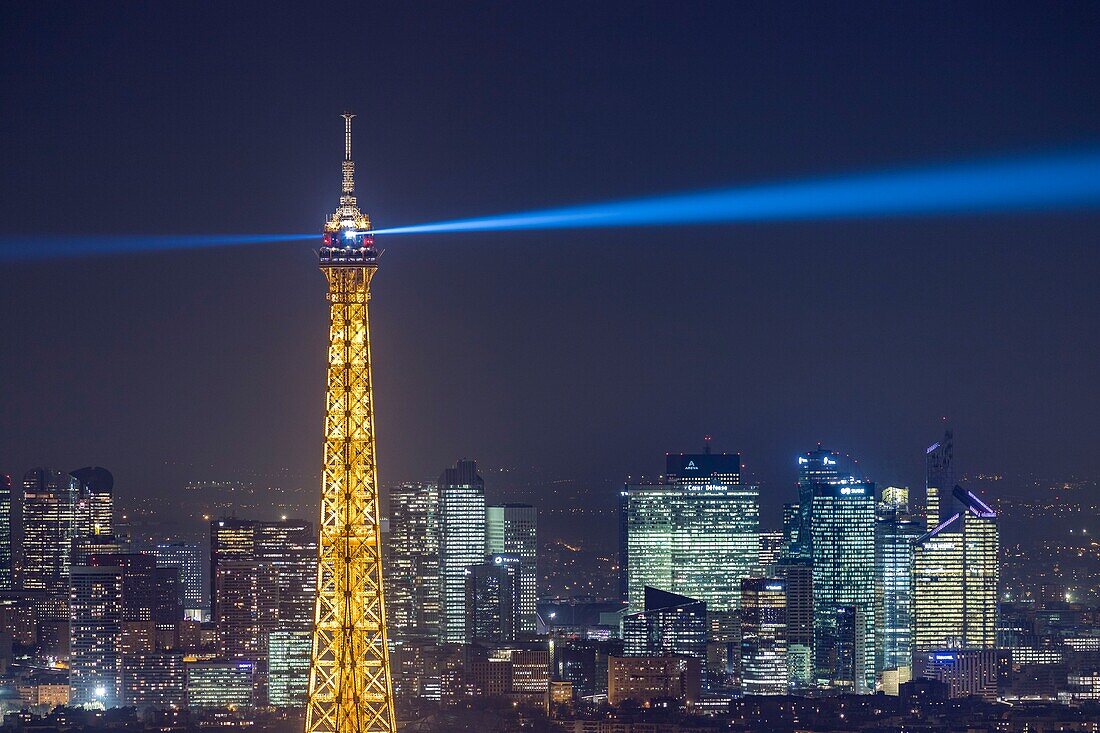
645 679
697 533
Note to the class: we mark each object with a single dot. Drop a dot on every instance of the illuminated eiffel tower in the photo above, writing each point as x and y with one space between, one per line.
349 676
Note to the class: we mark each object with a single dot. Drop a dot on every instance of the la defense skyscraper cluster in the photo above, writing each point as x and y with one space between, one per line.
350 688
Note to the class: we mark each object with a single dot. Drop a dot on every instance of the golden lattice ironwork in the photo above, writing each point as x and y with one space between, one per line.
349 680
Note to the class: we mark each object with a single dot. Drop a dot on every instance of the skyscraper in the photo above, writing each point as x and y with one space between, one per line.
764 637
939 466
492 599
816 467
896 530
955 578
187 558
772 548
287 547
938 581
791 521
798 585
246 603
49 524
288 668
7 521
842 547
670 624
412 593
97 499
461 543
112 596
513 529
95 634
695 534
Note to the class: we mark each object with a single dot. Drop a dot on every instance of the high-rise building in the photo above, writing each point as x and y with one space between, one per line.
287 547
220 684
512 529
247 603
187 558
791 521
771 549
939 465
156 680
764 637
842 547
112 599
97 500
350 688
955 579
95 660
937 588
288 668
846 649
696 534
412 593
669 624
896 530
7 522
492 599
798 581
461 543
819 467
49 524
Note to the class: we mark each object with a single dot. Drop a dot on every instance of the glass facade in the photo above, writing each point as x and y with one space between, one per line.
697 534
188 559
896 530
842 529
513 529
412 567
461 543
670 624
288 668
220 684
50 523
764 637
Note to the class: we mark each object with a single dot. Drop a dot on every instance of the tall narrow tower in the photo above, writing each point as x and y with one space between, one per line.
349 677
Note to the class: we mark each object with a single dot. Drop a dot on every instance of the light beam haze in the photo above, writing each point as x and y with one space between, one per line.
1023 183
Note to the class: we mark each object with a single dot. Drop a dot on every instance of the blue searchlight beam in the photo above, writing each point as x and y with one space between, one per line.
1023 183
31 247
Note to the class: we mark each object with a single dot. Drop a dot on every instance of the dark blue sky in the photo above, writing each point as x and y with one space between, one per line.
588 354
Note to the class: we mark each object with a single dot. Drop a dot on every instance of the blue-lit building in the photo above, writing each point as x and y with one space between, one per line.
493 602
670 624
842 548
896 531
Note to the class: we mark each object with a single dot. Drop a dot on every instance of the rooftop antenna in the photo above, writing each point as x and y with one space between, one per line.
349 165
706 444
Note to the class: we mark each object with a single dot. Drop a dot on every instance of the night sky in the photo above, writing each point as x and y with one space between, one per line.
574 354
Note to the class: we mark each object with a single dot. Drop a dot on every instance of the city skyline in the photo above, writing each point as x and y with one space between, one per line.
862 354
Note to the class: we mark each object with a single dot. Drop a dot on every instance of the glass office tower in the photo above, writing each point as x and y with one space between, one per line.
896 531
461 543
842 539
697 533
764 637
512 529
